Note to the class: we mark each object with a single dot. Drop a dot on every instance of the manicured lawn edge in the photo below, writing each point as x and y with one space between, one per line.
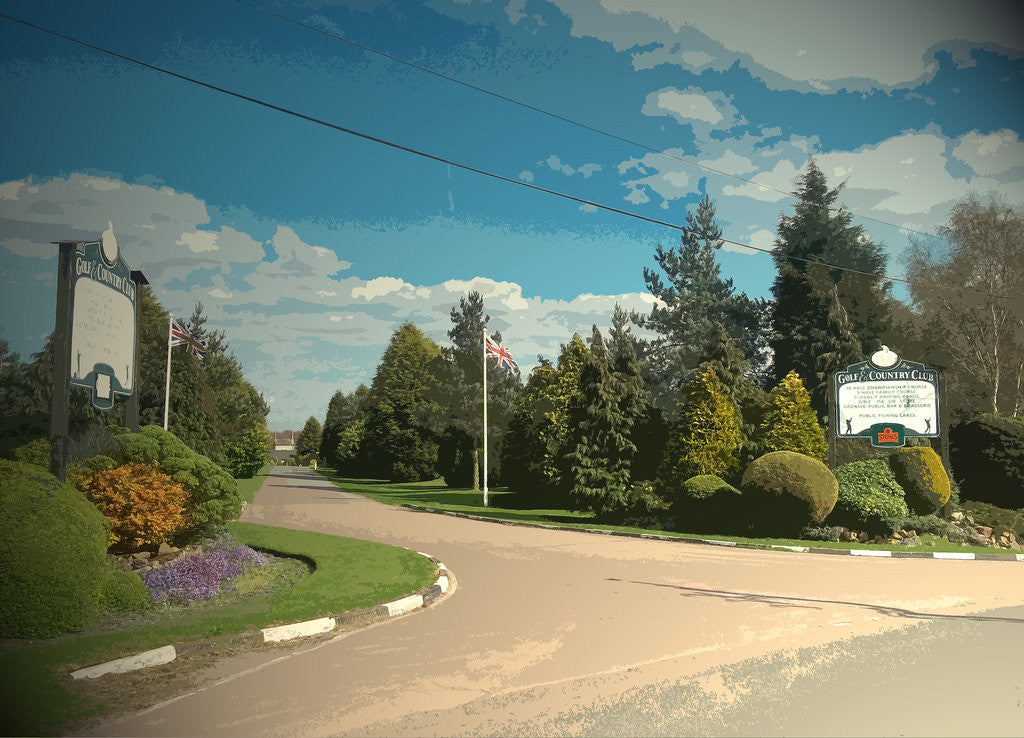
348 579
393 494
247 488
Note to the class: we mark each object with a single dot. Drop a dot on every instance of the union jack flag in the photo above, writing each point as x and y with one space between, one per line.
501 355
182 336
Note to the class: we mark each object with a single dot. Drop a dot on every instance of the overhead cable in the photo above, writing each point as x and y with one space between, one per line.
556 116
433 157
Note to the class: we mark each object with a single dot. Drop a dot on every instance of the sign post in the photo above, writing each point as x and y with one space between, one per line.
886 400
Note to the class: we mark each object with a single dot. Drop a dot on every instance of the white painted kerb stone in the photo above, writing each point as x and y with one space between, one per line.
864 552
443 583
298 630
801 549
130 663
404 605
953 555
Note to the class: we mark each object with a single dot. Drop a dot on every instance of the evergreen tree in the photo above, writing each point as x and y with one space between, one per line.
523 452
603 416
399 447
564 390
790 423
693 301
309 440
706 438
818 232
835 345
343 411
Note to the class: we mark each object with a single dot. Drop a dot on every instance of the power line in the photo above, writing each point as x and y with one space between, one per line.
433 157
556 116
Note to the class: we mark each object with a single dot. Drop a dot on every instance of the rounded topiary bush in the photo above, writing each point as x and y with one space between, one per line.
53 546
784 490
870 499
707 504
920 473
123 590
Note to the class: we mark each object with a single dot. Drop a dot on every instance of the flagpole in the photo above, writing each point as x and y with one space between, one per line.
167 383
485 416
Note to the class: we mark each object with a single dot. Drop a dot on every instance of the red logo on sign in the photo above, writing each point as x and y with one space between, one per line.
888 436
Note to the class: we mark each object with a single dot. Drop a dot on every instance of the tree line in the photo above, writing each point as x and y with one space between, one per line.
213 409
725 379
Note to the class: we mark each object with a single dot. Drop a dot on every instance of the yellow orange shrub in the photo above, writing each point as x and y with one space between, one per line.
144 505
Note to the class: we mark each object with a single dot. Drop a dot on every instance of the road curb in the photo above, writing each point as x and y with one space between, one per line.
281 633
956 555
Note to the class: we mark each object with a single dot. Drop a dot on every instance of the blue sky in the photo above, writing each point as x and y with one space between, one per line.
309 246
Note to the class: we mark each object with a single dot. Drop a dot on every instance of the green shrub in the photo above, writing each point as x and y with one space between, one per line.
212 493
790 423
35 452
706 438
920 473
53 545
123 590
784 490
924 524
998 518
987 455
869 497
707 503
640 500
822 532
247 456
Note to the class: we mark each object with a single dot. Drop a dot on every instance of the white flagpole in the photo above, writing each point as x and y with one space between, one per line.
485 416
167 383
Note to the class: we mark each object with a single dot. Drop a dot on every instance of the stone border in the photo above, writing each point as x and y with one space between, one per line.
282 633
735 544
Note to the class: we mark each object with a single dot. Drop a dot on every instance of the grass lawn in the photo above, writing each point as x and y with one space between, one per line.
247 487
350 574
438 496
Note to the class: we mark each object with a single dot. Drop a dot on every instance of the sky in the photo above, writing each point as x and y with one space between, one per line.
309 245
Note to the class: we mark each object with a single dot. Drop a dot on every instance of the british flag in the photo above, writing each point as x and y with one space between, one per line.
182 336
501 355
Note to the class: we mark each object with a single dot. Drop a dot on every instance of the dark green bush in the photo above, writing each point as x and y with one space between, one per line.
784 490
924 524
640 501
920 473
35 452
869 497
997 518
213 493
123 590
707 504
247 456
987 455
822 532
53 545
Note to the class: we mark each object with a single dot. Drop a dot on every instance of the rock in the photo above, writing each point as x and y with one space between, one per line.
141 555
957 516
847 536
167 549
877 539
912 533
863 537
910 541
976 539
984 530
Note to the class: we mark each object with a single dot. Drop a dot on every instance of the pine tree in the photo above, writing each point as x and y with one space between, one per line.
693 302
523 453
603 416
563 391
399 447
706 438
790 423
309 440
819 232
343 411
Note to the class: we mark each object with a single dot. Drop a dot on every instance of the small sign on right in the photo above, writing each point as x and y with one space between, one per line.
887 399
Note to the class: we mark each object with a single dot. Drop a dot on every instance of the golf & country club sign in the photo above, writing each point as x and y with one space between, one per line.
887 399
103 297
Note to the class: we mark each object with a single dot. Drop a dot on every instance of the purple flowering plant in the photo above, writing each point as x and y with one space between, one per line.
202 575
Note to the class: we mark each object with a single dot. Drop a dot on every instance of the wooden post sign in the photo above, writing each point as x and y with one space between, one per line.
103 297
886 399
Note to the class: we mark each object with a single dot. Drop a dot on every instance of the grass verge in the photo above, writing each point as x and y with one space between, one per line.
350 574
435 495
247 487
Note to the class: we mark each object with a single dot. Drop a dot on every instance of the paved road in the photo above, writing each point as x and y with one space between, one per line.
555 632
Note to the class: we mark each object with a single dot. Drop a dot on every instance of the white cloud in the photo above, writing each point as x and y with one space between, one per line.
700 108
805 45
526 175
555 163
991 153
